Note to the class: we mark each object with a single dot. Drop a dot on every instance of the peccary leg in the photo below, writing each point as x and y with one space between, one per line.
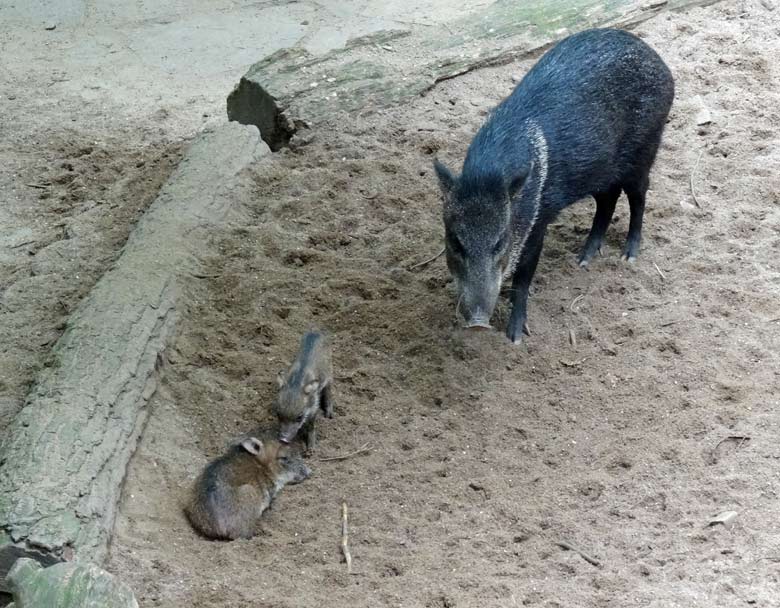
636 200
326 401
605 207
310 435
521 283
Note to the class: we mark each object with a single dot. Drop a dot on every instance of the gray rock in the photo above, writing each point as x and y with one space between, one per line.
67 585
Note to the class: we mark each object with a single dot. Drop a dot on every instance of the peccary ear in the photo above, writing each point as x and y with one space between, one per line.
311 387
253 445
516 182
446 178
280 379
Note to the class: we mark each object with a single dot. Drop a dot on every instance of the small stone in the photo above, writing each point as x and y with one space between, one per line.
50 26
725 519
515 78
703 117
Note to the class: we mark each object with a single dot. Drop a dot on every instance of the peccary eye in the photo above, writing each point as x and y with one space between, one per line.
456 245
499 247
299 418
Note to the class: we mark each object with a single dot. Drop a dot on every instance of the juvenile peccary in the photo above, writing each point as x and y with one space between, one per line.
586 120
234 490
306 390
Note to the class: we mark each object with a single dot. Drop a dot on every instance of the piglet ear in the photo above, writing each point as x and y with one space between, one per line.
311 387
446 179
253 445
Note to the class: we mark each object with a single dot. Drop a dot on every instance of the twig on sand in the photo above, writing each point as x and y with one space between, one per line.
740 438
575 301
39 186
569 547
345 538
566 363
572 338
364 448
693 173
428 261
660 272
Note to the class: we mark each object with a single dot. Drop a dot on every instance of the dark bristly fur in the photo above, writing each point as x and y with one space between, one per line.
586 120
235 489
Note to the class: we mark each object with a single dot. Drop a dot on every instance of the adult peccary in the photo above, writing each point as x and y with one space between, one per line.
586 120
235 489
306 390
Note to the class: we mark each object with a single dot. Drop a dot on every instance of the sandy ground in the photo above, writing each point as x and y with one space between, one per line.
483 455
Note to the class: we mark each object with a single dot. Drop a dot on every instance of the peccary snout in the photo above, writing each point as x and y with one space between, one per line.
478 296
288 431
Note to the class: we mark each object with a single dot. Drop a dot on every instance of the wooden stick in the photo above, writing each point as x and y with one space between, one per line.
364 448
660 272
345 538
574 302
569 547
572 338
428 261
741 438
573 363
693 172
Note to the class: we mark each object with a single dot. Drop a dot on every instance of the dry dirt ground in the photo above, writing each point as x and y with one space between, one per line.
483 455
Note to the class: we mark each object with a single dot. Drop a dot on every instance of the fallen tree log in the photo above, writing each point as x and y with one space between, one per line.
63 458
293 87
